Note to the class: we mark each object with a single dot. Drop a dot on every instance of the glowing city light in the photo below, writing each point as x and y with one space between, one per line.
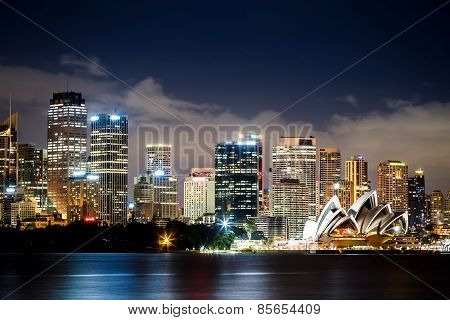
10 190
158 173
166 240
78 173
336 186
224 224
92 177
95 118
115 117
131 205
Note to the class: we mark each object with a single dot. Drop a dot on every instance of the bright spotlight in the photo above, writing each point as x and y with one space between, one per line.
224 224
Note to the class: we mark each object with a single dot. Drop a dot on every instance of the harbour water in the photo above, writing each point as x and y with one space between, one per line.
225 276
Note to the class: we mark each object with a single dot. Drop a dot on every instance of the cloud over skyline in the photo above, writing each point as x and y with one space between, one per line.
417 134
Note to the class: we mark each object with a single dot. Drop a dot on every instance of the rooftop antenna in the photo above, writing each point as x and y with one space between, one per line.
67 85
10 114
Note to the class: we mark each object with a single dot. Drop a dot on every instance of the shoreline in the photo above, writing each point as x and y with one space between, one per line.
246 252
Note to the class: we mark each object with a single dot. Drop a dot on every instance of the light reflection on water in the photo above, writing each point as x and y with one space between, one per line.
194 276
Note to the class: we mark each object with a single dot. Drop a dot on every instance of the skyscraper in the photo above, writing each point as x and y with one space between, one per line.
83 191
109 160
67 143
295 158
165 196
436 207
392 184
290 200
165 186
238 166
199 193
329 171
356 170
159 159
447 208
143 198
33 173
8 153
417 206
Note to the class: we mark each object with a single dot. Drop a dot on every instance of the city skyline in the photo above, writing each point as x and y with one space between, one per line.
253 80
231 150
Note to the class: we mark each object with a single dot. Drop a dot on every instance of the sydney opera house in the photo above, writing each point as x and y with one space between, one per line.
366 223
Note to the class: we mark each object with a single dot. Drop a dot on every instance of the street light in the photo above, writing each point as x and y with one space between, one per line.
166 240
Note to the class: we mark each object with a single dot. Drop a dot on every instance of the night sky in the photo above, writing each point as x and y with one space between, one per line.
242 62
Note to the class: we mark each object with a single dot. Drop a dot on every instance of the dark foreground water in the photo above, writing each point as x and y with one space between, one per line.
239 276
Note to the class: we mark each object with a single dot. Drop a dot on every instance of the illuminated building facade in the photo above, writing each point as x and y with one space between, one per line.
83 191
290 200
33 173
273 227
436 207
447 208
67 143
343 190
239 175
329 171
165 197
143 198
295 158
8 153
357 171
392 184
11 195
159 159
109 160
199 193
23 210
417 200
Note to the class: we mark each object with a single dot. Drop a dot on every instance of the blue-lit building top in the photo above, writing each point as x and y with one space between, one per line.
239 183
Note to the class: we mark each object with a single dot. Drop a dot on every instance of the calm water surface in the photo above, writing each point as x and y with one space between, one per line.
239 276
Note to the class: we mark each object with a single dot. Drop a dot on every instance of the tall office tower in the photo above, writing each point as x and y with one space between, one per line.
357 171
417 206
143 198
165 197
159 159
436 207
329 171
67 143
239 186
343 190
83 192
290 200
109 160
447 208
8 153
392 184
295 158
199 193
33 174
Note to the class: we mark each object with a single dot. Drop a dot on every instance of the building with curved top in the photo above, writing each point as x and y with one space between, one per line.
365 219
